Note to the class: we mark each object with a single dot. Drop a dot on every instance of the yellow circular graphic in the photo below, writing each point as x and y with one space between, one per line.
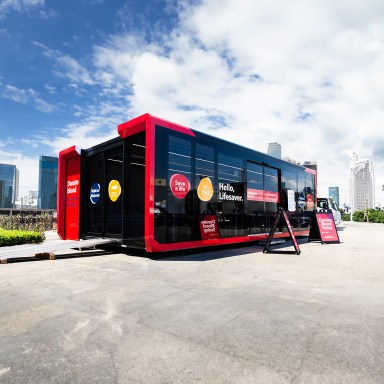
205 189
114 190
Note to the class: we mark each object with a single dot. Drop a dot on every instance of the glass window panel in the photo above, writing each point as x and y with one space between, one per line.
255 176
230 168
289 179
179 155
271 180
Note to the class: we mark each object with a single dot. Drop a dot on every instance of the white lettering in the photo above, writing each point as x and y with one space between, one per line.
208 226
226 187
72 183
225 196
180 186
71 190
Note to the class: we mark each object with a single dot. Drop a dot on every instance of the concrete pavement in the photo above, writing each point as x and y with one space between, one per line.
224 316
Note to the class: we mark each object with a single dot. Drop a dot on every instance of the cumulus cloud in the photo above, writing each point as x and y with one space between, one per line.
19 5
66 66
304 74
25 96
28 167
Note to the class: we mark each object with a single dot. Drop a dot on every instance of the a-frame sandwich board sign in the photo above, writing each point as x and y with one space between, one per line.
323 227
279 215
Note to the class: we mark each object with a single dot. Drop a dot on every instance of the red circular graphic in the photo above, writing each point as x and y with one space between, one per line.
179 185
309 201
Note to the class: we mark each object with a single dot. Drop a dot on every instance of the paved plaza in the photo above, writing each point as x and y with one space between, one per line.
233 315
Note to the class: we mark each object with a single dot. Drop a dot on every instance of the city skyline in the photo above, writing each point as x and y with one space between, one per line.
307 76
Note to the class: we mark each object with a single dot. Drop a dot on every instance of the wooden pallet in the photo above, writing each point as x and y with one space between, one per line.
39 256
47 251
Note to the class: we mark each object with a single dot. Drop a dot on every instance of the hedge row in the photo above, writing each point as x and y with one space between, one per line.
372 215
15 237
30 222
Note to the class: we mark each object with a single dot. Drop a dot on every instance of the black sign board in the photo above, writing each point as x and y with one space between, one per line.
279 215
323 227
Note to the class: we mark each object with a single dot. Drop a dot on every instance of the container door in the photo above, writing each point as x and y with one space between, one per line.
102 199
113 201
263 197
93 196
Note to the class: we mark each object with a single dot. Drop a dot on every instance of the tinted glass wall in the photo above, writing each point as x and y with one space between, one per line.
206 188
8 185
47 193
298 195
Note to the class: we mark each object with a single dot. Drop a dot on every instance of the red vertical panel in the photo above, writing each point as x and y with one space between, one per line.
72 200
61 196
149 186
68 194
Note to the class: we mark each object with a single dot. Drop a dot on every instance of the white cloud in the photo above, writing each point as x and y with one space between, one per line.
28 167
305 74
19 5
67 66
25 96
96 124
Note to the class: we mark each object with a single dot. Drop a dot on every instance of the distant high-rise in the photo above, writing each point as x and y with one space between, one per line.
333 192
47 194
361 184
274 149
9 185
310 165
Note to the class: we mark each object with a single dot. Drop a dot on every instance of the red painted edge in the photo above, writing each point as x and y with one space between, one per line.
142 123
133 126
149 206
309 170
64 155
157 247
148 124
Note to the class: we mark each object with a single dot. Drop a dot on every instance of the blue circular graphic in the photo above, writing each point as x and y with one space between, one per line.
94 193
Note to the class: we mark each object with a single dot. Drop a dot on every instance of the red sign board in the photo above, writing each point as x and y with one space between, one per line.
323 228
262 195
72 201
209 227
327 227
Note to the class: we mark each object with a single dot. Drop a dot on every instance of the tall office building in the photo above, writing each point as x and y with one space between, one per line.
333 192
47 194
274 149
9 185
361 184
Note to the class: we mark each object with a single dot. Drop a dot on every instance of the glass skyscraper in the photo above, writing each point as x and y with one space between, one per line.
47 194
274 149
361 184
333 192
9 185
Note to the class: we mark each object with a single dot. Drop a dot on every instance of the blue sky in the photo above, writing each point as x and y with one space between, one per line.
305 74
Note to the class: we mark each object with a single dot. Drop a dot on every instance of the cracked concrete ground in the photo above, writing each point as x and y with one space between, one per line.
223 316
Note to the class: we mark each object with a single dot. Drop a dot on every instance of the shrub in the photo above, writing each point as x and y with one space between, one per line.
29 221
358 216
15 237
374 216
346 216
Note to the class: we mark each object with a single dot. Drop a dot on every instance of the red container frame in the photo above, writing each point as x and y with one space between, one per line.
148 124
